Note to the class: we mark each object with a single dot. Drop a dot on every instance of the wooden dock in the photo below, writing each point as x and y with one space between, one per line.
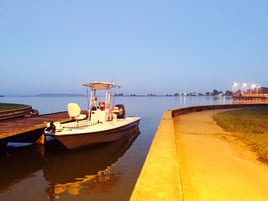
251 97
25 110
25 129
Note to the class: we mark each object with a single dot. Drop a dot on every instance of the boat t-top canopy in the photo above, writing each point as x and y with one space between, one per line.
100 85
95 86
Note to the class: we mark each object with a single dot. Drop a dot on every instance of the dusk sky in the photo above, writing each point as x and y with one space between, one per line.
147 46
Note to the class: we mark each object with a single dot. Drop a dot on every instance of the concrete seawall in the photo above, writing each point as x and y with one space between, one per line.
160 177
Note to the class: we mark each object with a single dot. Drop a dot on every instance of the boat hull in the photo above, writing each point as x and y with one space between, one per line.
77 141
98 158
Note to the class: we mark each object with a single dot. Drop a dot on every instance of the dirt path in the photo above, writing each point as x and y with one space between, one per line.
215 166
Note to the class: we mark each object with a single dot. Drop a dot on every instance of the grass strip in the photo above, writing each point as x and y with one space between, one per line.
10 106
250 125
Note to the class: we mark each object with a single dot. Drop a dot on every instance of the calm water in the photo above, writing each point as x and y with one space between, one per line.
36 172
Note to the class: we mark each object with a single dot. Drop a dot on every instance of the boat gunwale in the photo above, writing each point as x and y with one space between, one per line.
136 120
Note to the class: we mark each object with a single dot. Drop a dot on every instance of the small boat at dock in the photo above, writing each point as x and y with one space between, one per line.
103 123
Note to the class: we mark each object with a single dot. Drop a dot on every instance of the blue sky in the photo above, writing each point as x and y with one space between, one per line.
147 46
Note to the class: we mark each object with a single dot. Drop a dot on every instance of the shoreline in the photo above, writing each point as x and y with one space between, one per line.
192 158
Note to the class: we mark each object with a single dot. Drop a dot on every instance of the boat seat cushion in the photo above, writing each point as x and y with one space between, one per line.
74 111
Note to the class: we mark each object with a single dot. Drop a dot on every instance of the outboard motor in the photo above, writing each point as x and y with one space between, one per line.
121 111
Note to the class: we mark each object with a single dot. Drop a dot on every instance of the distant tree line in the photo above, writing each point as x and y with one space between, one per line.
264 90
213 93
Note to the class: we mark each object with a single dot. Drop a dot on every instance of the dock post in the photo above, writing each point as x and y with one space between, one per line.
41 139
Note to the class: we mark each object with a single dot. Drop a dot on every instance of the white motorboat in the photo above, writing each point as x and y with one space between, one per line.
104 123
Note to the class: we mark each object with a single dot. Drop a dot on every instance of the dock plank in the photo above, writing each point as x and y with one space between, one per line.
16 126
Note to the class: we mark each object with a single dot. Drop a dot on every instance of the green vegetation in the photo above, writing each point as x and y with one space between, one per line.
10 106
250 125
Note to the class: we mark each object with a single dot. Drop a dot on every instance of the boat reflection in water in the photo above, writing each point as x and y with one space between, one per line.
19 163
87 169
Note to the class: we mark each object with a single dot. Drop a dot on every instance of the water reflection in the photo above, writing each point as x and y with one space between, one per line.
88 169
68 172
18 164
